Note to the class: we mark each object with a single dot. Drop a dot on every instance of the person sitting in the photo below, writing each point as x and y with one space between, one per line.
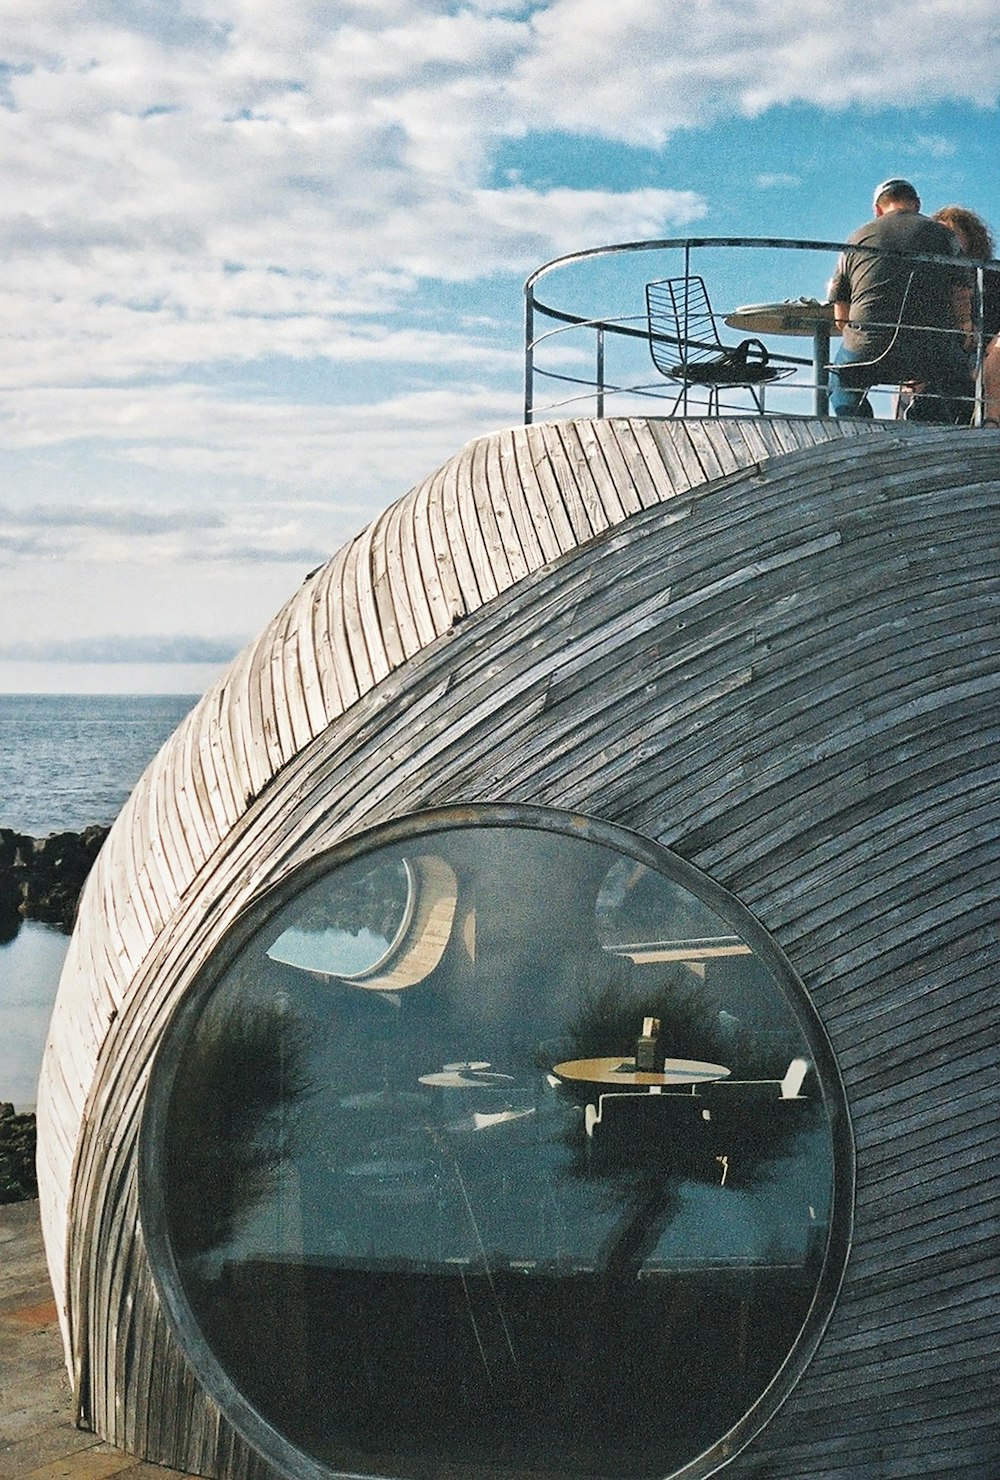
976 241
899 319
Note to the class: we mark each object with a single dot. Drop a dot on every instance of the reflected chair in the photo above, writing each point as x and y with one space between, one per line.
685 346
636 1103
789 1087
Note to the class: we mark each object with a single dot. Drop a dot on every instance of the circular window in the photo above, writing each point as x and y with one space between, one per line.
539 1177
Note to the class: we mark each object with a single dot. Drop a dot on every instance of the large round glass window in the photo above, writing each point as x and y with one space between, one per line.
499 1142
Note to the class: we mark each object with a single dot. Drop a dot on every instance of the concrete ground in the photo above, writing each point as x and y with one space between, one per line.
38 1440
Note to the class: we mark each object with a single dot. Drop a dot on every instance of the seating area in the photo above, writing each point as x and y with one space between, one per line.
686 348
670 305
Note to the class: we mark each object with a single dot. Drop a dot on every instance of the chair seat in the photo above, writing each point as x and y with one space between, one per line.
724 372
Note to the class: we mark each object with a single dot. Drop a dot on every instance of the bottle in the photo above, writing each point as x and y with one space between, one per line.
648 1053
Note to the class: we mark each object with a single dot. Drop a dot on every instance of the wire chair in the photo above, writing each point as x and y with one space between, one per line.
929 398
685 345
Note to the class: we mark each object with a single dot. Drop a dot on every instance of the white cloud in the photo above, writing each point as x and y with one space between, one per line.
641 69
934 145
341 461
778 181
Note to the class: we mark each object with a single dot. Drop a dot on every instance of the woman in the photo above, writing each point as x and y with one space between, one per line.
976 241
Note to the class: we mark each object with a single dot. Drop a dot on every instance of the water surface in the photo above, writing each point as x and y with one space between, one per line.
29 975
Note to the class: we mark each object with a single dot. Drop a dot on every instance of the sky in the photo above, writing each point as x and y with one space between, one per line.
263 263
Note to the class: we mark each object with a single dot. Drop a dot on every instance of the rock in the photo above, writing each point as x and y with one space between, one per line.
41 878
17 1156
10 906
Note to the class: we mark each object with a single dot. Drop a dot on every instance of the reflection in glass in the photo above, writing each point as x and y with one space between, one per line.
418 1239
347 930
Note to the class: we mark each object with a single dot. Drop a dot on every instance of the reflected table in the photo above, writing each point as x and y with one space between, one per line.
478 1075
645 1212
801 318
622 1073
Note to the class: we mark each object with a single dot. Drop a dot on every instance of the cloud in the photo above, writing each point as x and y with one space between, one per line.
137 535
643 69
778 182
933 145
116 648
252 447
124 520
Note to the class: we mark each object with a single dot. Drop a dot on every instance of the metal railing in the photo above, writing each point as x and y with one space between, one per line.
616 274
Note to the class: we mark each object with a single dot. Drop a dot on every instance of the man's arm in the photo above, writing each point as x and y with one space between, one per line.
839 293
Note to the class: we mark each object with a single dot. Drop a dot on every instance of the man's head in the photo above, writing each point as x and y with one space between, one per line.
895 195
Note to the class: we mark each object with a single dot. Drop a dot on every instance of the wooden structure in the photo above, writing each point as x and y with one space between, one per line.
770 645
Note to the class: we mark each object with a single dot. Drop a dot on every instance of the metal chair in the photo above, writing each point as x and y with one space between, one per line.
681 323
789 1087
932 399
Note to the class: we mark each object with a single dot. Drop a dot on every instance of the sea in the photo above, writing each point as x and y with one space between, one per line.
66 761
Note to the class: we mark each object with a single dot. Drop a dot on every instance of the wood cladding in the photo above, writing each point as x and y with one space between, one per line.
771 645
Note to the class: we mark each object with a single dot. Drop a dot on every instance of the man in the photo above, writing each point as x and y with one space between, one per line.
896 314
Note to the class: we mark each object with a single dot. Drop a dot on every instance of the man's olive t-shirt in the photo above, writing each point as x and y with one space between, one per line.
875 286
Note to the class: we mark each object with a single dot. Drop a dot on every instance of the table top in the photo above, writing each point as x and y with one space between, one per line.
622 1072
797 316
466 1076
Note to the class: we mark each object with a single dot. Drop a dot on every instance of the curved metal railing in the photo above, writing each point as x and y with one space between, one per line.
616 341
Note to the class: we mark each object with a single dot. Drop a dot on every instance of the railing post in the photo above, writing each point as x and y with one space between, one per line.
821 369
529 353
600 370
978 407
687 295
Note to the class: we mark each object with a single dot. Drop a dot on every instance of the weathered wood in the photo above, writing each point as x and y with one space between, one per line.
768 643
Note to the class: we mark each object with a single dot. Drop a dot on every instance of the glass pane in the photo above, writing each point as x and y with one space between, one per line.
543 1184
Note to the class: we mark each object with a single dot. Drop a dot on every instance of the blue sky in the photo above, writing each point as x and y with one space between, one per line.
263 263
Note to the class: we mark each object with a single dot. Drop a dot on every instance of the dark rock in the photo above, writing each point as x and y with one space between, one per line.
17 1156
41 878
10 888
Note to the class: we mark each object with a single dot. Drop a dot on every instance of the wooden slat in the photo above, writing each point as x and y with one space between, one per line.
479 521
419 600
357 615
495 492
385 614
434 557
536 543
457 531
404 613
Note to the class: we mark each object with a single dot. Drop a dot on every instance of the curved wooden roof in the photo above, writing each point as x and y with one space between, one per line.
771 645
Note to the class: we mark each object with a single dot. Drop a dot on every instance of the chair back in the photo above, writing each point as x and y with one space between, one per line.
896 330
685 345
681 323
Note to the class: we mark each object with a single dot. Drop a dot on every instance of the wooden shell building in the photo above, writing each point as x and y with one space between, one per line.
608 720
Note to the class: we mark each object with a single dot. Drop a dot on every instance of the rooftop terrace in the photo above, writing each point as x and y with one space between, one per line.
591 333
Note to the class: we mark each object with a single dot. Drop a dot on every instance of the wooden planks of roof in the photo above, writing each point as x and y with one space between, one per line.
770 644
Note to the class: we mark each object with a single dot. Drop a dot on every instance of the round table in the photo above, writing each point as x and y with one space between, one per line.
622 1072
799 317
466 1076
